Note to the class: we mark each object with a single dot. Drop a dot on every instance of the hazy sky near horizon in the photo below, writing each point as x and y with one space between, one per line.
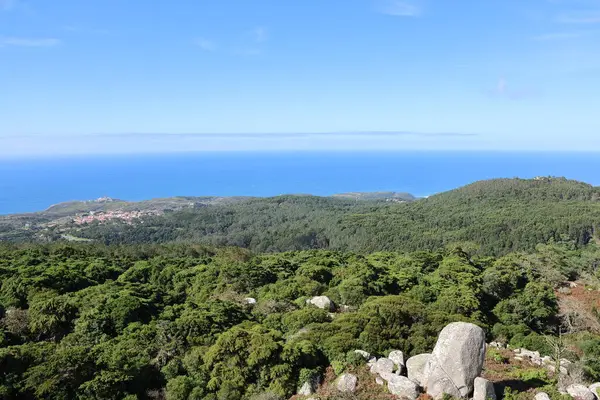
102 76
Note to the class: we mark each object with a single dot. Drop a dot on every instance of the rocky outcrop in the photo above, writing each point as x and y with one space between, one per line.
547 362
322 302
347 383
401 386
580 392
250 300
416 367
483 390
456 360
382 366
398 358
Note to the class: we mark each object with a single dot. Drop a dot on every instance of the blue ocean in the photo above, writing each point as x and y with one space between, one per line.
34 184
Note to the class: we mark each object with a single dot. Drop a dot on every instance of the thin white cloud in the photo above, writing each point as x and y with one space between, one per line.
504 90
581 18
260 34
6 5
205 44
28 42
248 51
91 31
501 86
559 36
400 8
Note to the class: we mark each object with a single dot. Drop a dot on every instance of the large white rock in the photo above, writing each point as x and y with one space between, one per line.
483 390
382 366
322 302
456 360
250 300
542 396
401 386
595 388
580 392
416 367
347 383
398 358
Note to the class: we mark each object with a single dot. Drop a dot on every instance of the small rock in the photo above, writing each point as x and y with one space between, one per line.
250 300
580 392
595 388
322 302
563 370
533 356
306 389
398 358
371 361
518 358
564 366
382 366
542 396
363 353
547 360
483 390
416 368
401 386
379 381
347 383
530 354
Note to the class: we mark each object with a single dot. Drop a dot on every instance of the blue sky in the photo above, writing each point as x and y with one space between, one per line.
137 75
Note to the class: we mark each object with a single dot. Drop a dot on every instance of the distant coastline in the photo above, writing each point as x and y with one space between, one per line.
29 185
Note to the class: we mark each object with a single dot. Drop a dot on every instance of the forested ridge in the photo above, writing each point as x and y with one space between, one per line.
488 217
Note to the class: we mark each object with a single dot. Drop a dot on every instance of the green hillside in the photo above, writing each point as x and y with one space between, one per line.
490 217
495 216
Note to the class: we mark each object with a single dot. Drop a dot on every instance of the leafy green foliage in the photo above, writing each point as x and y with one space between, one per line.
88 321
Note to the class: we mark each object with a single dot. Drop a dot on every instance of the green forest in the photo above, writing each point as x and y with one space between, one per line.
173 321
213 303
492 217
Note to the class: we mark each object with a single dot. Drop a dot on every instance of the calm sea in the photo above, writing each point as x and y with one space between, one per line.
32 185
